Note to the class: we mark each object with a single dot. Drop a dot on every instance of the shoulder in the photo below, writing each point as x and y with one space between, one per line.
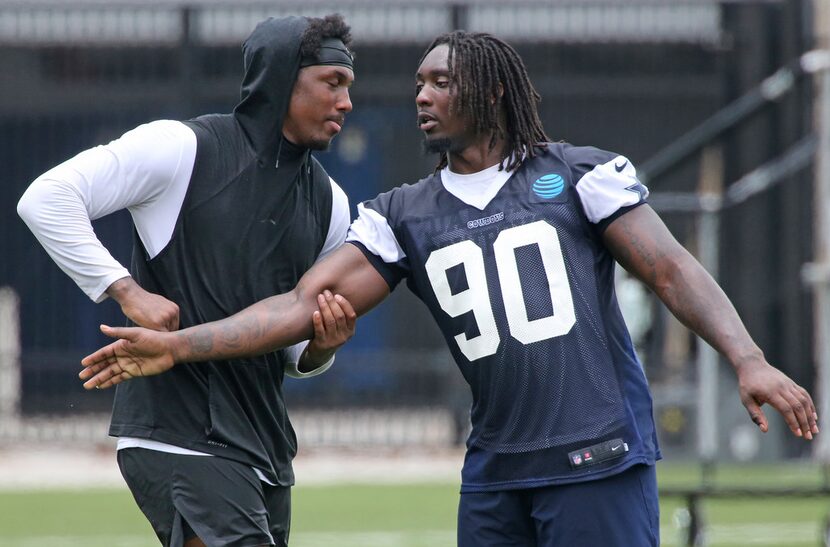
337 192
606 182
212 123
152 134
339 199
581 159
322 186
222 149
218 132
590 161
320 173
168 128
406 197
154 151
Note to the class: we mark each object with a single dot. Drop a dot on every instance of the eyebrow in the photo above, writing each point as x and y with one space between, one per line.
341 75
434 73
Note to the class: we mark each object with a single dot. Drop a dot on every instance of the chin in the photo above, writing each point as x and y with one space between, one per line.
319 145
437 145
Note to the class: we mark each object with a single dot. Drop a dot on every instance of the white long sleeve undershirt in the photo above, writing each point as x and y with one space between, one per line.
146 171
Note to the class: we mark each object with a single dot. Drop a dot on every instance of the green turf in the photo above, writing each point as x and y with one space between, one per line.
419 515
375 507
69 518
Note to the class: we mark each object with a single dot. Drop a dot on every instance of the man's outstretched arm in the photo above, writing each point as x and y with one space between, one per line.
269 324
644 246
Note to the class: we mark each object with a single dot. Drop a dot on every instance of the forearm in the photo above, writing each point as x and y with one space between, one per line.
286 319
696 300
122 289
270 324
643 245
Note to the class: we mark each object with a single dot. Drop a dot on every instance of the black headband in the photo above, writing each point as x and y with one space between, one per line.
332 52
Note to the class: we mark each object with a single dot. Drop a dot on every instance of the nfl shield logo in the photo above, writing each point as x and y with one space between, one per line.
577 459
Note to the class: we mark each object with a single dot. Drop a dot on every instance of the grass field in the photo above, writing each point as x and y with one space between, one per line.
411 515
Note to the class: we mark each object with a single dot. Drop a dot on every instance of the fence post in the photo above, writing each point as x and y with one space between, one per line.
9 361
710 187
818 273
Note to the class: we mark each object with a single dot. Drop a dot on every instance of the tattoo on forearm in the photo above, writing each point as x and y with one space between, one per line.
230 336
636 250
269 321
252 332
646 249
240 332
199 343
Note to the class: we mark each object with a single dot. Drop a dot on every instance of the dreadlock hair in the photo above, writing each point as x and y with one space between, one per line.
478 63
330 26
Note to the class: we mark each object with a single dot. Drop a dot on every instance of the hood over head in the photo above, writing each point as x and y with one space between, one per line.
272 60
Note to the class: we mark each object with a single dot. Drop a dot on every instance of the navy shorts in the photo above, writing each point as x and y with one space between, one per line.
617 511
221 501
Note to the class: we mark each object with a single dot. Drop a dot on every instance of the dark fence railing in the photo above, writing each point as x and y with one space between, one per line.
629 76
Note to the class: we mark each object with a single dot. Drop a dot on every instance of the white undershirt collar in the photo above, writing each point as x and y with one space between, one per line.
476 189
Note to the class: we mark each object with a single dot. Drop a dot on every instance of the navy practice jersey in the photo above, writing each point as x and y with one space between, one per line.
514 270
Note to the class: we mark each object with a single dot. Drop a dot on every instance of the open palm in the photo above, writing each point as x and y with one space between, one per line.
138 352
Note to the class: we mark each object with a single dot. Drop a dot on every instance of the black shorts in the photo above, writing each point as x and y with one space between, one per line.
221 501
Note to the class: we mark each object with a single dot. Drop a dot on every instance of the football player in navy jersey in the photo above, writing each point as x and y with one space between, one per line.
512 245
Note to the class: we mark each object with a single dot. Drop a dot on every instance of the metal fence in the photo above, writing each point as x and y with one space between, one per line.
629 76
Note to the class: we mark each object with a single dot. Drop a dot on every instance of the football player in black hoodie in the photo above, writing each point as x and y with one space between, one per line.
228 209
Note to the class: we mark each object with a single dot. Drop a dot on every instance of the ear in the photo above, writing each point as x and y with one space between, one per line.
499 94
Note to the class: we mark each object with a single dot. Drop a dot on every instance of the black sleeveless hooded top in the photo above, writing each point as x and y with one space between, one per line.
249 227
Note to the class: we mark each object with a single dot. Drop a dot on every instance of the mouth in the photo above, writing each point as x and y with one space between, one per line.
426 121
336 124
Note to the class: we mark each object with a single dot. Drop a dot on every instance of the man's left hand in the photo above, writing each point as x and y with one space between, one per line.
760 383
334 325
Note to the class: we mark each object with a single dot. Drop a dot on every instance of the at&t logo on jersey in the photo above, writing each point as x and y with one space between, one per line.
549 186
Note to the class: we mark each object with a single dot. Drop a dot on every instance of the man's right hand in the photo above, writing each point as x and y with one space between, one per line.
139 352
146 309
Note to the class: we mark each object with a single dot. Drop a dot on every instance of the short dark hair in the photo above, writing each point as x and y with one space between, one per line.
330 26
478 63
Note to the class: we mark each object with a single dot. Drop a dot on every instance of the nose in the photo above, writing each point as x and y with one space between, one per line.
344 102
422 98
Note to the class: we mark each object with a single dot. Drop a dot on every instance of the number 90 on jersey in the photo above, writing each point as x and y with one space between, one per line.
476 298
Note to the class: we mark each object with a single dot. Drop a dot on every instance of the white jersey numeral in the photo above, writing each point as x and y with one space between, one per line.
521 328
476 297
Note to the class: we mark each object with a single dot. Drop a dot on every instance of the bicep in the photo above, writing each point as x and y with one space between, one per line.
643 245
349 273
125 173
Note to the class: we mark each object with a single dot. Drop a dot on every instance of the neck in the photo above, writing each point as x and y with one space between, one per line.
476 157
288 150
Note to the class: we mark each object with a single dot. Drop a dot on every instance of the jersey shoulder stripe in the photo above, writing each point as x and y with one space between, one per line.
377 229
606 182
